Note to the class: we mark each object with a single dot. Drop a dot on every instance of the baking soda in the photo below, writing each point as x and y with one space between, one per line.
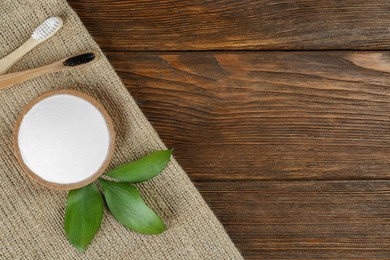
64 139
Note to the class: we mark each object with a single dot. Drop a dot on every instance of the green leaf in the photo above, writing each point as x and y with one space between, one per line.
142 169
128 207
84 212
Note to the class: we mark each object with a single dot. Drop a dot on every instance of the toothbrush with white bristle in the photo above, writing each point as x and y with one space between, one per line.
43 32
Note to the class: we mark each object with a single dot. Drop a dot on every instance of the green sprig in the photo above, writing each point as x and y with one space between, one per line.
84 212
143 169
128 207
84 209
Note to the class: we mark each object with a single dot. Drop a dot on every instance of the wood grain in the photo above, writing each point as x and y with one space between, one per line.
291 150
236 24
267 115
304 219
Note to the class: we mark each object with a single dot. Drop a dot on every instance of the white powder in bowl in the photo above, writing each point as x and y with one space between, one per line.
64 139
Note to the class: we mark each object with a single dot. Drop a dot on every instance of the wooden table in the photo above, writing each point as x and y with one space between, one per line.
281 123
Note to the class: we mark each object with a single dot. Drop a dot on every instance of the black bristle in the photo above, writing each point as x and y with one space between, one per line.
80 59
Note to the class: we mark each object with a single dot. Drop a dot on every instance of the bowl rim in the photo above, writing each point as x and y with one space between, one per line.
107 119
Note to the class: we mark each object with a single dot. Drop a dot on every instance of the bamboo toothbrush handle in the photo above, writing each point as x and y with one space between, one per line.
11 79
9 60
78 61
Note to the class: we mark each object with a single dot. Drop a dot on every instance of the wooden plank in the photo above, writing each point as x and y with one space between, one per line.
267 115
236 25
304 219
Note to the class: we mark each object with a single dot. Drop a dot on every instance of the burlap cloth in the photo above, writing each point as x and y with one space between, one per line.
31 216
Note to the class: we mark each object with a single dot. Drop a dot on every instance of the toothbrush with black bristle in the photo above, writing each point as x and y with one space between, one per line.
78 61
43 32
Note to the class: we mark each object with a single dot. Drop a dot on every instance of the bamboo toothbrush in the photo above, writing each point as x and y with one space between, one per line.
77 61
43 32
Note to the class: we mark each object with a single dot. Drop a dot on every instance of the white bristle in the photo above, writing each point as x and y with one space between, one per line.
47 28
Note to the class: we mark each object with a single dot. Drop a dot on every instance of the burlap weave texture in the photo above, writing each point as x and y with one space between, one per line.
31 216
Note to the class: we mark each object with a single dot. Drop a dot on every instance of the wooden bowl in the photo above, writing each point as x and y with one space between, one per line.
94 175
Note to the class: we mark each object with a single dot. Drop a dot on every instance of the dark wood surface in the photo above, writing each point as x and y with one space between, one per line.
304 219
236 24
267 115
290 149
